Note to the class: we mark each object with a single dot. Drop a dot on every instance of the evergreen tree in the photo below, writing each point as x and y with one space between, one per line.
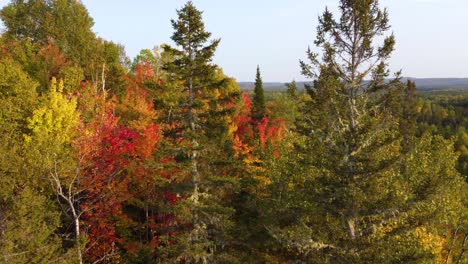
259 108
408 115
182 168
350 127
345 189
205 215
292 89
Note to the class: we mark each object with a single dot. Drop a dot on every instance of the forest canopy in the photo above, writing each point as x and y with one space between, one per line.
164 159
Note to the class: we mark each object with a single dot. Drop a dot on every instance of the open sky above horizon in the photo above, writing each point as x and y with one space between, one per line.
431 34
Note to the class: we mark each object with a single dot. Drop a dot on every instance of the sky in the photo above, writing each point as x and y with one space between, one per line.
431 35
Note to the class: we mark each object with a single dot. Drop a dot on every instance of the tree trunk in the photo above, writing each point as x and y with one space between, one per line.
77 230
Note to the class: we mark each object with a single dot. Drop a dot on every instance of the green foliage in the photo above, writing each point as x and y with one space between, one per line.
292 89
281 106
259 108
17 98
204 117
155 57
50 36
343 197
29 228
72 76
446 115
110 65
163 160
29 217
193 62
65 22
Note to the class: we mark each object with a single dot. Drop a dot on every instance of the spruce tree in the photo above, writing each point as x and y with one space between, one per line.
345 196
258 109
292 89
205 215
354 126
408 115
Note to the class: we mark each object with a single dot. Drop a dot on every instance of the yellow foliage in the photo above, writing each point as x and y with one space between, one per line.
56 120
232 128
217 94
137 109
430 242
263 180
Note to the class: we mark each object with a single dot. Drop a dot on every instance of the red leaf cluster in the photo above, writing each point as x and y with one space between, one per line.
247 130
113 152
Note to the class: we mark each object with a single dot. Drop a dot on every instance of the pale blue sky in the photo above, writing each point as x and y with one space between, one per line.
432 35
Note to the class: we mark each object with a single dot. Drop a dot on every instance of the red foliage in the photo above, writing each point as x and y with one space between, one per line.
244 121
269 131
144 72
113 152
247 102
105 149
244 127
247 130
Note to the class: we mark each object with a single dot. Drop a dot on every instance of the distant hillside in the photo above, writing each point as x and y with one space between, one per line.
423 84
440 83
268 86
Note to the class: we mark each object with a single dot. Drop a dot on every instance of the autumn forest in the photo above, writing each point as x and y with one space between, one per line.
164 159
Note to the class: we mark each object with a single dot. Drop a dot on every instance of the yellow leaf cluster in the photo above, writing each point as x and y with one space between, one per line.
56 120
430 242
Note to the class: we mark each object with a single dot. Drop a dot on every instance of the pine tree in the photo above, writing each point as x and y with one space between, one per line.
349 170
259 108
348 58
292 89
408 115
204 213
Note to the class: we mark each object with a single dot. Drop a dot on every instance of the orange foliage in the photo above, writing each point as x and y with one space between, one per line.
112 151
53 59
144 72
245 130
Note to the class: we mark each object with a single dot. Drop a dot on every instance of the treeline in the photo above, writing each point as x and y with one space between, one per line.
165 160
443 113
446 115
